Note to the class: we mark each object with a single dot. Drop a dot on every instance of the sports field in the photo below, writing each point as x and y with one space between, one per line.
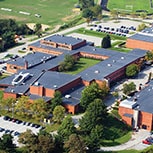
130 5
52 12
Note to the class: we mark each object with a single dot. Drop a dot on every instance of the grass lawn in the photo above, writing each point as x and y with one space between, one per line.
52 12
83 64
130 5
115 132
97 34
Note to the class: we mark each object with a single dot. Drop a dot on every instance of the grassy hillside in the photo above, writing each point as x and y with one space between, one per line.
52 12
130 5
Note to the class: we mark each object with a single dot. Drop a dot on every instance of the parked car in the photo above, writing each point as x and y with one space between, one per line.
16 133
2 129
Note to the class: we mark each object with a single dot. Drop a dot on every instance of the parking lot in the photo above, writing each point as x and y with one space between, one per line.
15 128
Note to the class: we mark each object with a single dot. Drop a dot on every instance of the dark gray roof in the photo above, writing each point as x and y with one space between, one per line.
98 51
75 94
145 99
21 88
138 52
34 97
108 66
64 39
32 59
54 80
142 37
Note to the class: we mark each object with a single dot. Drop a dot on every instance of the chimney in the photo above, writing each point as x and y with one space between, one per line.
26 64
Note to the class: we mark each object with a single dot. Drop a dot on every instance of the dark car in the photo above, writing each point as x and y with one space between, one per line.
18 121
2 129
16 133
6 118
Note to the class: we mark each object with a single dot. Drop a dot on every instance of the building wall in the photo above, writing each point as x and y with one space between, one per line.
70 85
37 90
14 68
127 120
94 56
131 43
9 94
145 120
71 109
44 50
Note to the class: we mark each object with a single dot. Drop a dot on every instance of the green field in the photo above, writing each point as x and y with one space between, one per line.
130 5
52 12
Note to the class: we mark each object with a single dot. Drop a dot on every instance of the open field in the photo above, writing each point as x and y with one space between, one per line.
53 12
130 5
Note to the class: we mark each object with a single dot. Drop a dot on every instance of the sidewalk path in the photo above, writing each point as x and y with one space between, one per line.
134 143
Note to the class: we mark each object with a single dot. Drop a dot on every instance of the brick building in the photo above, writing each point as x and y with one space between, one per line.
138 111
142 40
42 65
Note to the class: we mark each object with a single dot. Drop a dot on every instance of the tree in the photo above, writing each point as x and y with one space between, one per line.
90 93
8 103
8 39
22 106
68 63
149 56
66 128
58 114
75 144
56 100
106 42
129 88
143 15
41 143
38 109
114 14
6 143
141 27
38 29
97 10
95 137
132 70
95 114
86 3
87 13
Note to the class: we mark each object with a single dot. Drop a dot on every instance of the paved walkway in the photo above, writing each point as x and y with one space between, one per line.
134 143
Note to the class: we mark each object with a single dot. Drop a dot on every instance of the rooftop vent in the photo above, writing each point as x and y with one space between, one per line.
114 61
37 83
122 57
67 96
109 64
97 71
55 86
94 49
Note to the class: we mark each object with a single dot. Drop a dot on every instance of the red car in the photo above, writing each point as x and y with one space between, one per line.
146 142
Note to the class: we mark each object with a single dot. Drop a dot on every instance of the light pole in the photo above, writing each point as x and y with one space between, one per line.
12 110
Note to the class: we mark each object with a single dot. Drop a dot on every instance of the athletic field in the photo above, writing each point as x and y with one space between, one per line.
130 5
52 12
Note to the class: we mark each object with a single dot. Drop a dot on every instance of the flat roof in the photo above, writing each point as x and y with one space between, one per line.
55 80
128 104
108 66
145 98
33 59
142 37
75 95
62 39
